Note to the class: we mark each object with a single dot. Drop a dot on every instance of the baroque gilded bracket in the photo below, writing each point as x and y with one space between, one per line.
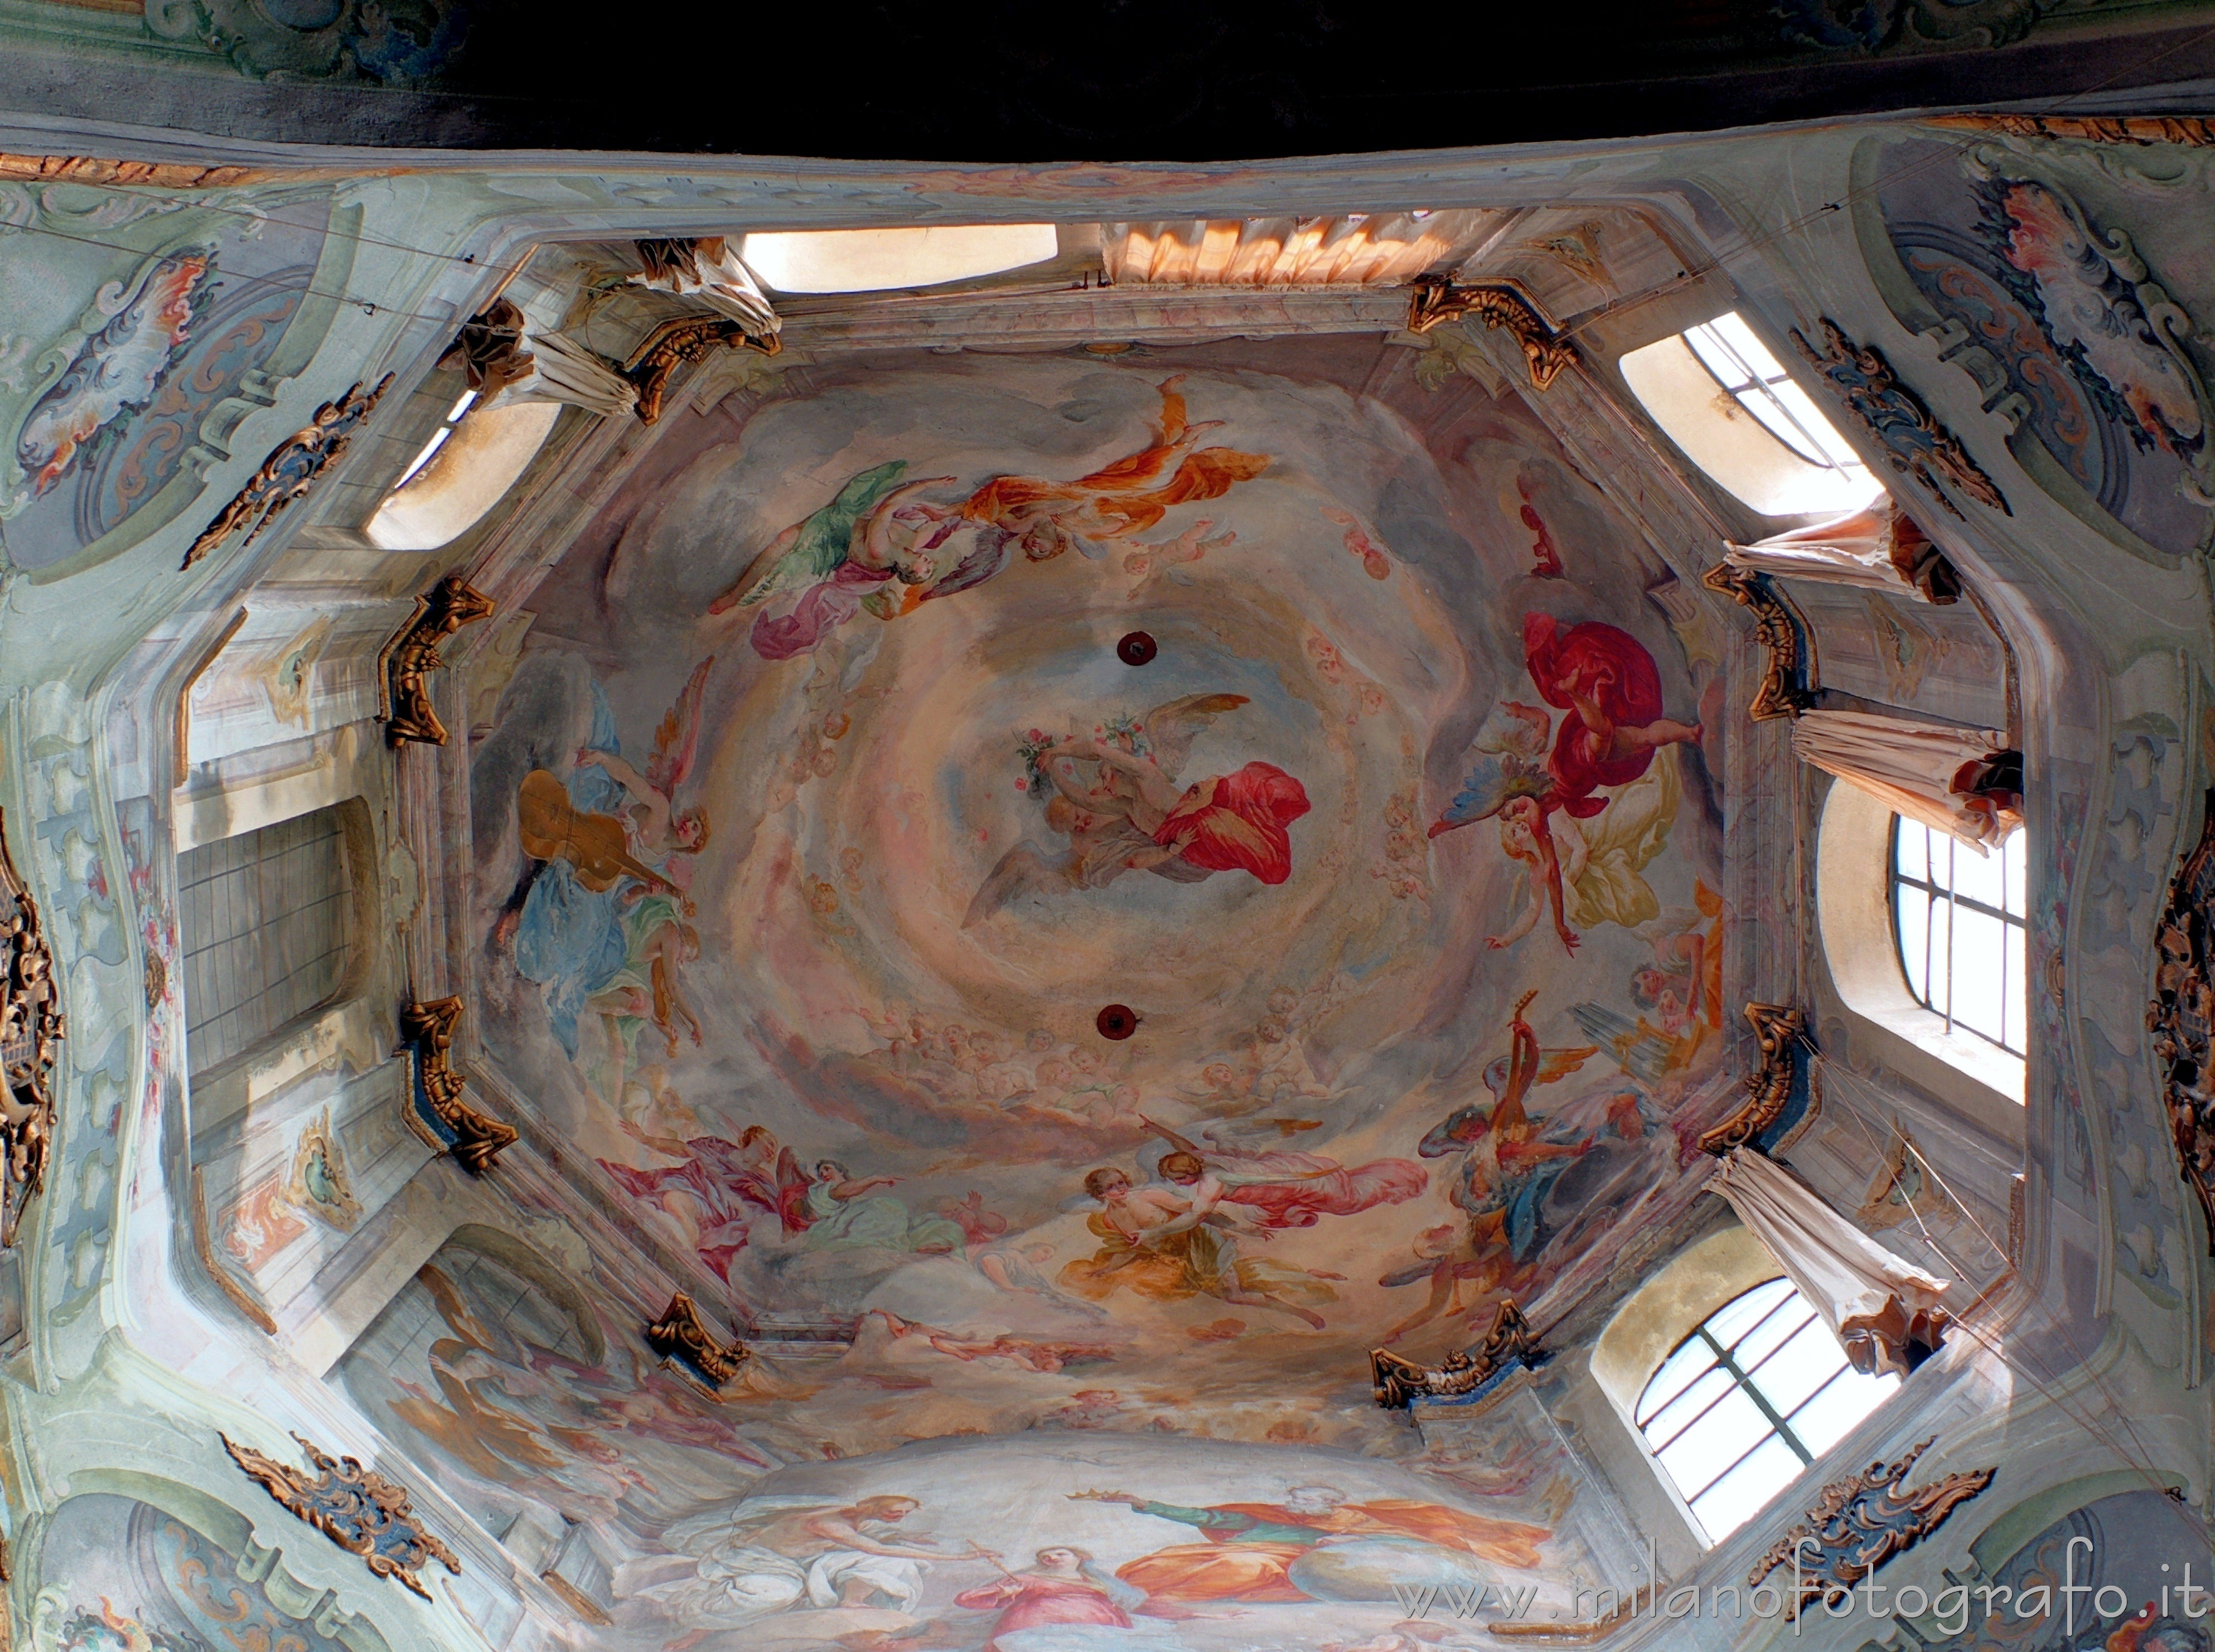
1434 300
435 1109
1782 1095
31 1025
688 339
1509 1346
403 699
355 1508
1915 443
1783 691
2181 1016
1858 1524
290 469
682 1334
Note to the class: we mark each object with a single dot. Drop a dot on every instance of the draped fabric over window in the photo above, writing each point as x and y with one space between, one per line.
1889 1316
1878 547
562 369
1965 782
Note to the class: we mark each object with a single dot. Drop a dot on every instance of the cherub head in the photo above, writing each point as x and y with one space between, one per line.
1107 1184
1182 1168
691 829
830 1170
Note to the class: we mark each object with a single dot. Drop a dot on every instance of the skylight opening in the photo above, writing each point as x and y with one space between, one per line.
437 439
1720 395
880 260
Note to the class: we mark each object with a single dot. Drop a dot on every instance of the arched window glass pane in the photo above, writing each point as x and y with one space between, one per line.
1961 923
1764 439
1760 1391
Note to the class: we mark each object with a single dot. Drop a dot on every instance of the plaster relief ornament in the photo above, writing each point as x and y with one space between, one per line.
679 343
1858 1524
682 1334
403 697
1916 444
1435 300
31 1025
435 1109
489 350
2181 1016
290 469
1783 691
1783 1095
1510 1345
355 1508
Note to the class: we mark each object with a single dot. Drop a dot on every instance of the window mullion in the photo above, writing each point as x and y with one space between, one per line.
1761 1401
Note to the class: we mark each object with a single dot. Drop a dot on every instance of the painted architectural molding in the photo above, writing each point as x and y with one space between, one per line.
1783 691
2181 1016
1434 301
355 1508
2190 132
436 1110
1510 1344
31 1025
682 1334
290 469
1915 443
1782 1095
403 697
674 343
1859 1523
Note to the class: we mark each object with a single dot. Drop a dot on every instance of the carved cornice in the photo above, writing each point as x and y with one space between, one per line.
682 1334
688 338
1783 691
2191 131
1858 1524
1782 1095
2181 1016
1434 300
148 174
1511 1342
435 1108
290 469
1915 443
31 1025
355 1508
403 699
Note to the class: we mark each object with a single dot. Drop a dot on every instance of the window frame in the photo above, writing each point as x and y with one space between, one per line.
1744 1378
1894 880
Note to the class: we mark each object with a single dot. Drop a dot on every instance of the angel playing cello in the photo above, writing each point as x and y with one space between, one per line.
1117 801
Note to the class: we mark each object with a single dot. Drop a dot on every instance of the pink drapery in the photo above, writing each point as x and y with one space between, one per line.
1964 782
1889 1316
1878 547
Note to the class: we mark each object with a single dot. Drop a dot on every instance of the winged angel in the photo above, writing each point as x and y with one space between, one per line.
1114 797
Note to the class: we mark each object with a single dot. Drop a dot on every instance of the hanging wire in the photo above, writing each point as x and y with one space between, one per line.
2142 1463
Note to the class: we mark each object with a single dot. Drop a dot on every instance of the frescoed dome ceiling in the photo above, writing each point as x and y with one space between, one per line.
821 819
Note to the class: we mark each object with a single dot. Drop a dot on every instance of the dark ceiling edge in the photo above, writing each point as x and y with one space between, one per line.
24 131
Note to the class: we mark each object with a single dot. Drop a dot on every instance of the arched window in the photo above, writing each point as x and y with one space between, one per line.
466 468
1959 919
1756 1393
1722 396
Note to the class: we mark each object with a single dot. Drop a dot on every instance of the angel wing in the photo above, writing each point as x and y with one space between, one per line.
1171 728
678 737
817 548
1022 870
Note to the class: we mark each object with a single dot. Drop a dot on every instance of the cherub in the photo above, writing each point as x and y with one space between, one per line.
1122 810
655 824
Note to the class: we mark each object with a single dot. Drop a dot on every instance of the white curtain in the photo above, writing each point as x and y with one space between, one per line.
1952 780
714 275
1879 547
1886 1313
562 370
